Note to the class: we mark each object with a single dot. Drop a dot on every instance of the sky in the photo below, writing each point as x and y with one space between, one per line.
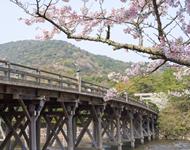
11 29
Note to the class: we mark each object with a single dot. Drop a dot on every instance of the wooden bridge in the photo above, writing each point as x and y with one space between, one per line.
45 110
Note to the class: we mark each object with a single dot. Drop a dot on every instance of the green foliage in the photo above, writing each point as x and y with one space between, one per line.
99 79
162 81
174 119
168 82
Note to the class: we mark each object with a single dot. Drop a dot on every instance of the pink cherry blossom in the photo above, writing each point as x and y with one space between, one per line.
148 29
111 93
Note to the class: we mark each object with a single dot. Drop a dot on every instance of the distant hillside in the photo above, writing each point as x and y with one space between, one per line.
60 56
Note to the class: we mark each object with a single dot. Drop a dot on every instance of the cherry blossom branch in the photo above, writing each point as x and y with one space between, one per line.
117 45
134 16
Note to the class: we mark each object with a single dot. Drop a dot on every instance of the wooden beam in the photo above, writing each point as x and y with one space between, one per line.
86 125
53 132
12 131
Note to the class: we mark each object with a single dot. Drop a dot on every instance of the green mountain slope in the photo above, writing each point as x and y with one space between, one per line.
60 56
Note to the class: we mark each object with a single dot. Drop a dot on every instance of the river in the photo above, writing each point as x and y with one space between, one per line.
159 145
154 145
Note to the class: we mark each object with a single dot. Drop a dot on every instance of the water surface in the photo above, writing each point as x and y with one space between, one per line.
158 145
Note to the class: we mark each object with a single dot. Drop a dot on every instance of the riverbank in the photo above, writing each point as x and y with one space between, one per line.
175 138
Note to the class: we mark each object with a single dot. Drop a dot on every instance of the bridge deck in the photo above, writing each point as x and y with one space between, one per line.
24 76
68 110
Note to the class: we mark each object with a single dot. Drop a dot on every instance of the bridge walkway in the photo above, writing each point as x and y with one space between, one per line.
40 108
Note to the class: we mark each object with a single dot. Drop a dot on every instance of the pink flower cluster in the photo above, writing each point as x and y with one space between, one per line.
118 77
175 49
85 21
111 93
182 71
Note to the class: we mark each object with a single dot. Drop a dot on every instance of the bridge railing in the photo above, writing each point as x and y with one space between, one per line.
29 75
16 72
93 88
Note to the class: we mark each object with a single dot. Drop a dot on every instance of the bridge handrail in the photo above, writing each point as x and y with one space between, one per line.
35 69
43 77
106 88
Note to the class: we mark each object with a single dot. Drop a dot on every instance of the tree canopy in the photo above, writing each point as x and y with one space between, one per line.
159 28
174 116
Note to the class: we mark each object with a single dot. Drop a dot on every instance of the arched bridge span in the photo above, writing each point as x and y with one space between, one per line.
46 110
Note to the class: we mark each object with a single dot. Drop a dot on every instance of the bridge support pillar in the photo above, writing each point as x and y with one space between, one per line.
148 129
118 124
141 129
97 128
32 129
70 144
38 133
33 114
74 128
132 130
8 145
112 128
47 128
124 127
153 127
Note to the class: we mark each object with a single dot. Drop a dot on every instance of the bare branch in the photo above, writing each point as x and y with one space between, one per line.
47 7
172 20
160 30
108 32
157 67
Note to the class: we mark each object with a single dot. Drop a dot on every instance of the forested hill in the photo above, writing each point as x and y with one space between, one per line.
60 56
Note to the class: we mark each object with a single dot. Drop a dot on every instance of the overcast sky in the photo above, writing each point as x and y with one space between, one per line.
13 30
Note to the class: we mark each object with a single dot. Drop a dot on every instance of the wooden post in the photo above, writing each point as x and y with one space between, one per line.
119 138
7 73
132 130
8 145
60 81
97 127
70 129
74 128
141 129
38 78
99 130
38 133
23 77
33 140
148 129
1 131
79 80
112 128
33 115
80 84
126 96
153 128
124 126
95 132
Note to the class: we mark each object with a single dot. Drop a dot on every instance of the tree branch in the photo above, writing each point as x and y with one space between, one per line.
148 50
157 67
154 51
160 30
